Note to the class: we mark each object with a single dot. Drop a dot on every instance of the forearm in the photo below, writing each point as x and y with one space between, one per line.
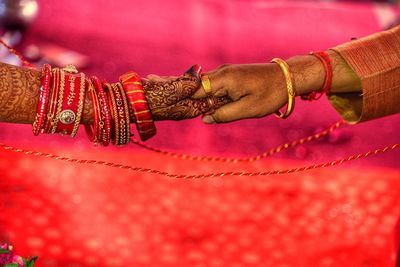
366 76
19 95
308 74
168 99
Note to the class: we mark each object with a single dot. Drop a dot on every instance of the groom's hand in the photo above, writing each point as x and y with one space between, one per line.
258 90
255 89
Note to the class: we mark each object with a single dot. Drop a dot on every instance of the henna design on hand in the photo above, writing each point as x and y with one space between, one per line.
19 93
168 99
189 108
169 92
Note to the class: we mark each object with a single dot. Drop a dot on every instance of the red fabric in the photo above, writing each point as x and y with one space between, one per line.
72 215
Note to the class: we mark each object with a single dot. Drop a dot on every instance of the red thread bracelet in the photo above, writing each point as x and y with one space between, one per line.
326 62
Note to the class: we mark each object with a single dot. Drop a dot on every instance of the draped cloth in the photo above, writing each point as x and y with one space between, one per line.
376 61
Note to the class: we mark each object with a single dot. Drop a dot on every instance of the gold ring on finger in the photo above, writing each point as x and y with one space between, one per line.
205 81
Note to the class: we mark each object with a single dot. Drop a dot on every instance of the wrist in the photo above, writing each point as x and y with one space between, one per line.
344 79
307 72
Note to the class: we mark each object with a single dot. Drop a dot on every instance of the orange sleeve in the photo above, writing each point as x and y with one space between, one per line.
376 61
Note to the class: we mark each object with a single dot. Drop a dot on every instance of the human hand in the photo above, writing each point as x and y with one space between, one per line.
169 97
255 89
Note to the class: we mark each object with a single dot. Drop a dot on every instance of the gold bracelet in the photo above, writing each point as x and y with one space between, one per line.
82 94
59 103
290 88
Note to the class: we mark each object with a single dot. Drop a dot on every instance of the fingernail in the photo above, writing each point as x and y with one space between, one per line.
195 70
198 69
208 119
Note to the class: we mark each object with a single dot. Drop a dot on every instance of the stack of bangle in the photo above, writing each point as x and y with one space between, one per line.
61 102
325 61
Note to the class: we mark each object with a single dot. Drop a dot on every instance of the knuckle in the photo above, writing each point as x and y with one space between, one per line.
226 69
223 66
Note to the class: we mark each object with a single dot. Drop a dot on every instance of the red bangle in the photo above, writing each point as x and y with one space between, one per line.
81 103
326 62
134 90
58 101
53 101
41 112
121 115
70 103
104 133
93 130
108 90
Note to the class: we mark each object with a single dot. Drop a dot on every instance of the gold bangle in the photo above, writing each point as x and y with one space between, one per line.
290 88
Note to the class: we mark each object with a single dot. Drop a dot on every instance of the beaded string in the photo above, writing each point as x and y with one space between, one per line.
205 158
258 157
199 176
25 62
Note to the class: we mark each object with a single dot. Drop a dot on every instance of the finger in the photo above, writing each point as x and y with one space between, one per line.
181 88
217 85
157 78
209 104
166 93
233 111
189 108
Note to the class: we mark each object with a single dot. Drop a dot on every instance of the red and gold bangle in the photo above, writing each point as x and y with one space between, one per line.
93 130
326 62
59 101
121 116
66 116
40 118
81 102
114 112
113 108
127 134
134 90
53 101
70 109
104 133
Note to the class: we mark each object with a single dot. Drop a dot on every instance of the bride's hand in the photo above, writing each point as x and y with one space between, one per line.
169 97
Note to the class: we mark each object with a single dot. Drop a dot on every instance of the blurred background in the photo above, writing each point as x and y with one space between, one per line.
73 215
